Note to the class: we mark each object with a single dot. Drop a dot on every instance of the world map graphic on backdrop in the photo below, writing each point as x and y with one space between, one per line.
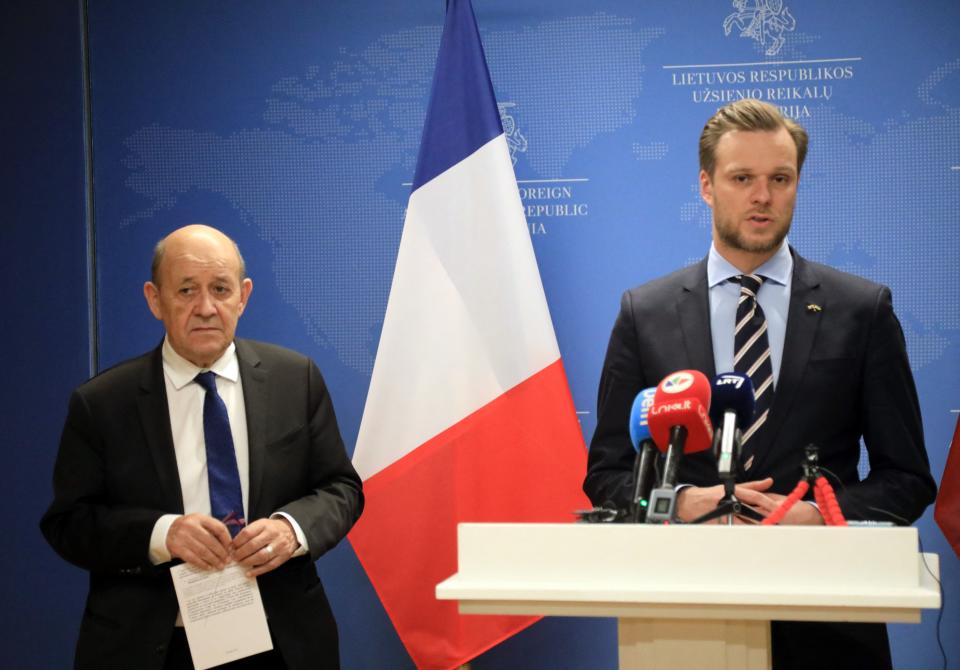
339 142
898 165
321 179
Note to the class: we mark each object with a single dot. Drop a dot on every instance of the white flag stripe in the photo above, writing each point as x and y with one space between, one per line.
467 318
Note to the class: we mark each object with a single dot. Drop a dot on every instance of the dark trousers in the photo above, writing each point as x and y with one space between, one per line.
178 657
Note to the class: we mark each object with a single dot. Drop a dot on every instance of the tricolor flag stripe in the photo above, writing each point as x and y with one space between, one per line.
494 466
466 319
469 416
460 118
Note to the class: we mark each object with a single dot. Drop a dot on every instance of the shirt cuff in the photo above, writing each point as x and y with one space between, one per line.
301 538
158 539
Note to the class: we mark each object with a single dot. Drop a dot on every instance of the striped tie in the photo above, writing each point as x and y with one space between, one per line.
752 355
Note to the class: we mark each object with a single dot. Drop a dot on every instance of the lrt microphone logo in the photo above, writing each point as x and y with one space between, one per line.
677 382
730 380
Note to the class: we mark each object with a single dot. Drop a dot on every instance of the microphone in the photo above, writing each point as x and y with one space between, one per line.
679 423
731 411
643 465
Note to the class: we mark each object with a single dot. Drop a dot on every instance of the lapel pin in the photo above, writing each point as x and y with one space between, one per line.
814 307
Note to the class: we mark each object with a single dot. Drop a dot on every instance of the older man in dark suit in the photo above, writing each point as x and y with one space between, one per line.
826 355
136 487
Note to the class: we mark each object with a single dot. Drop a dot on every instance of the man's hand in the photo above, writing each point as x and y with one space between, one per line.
695 501
264 545
200 540
801 514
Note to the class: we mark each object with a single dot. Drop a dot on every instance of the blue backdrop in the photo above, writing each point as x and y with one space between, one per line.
294 126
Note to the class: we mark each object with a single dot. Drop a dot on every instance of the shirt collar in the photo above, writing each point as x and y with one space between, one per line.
181 372
777 268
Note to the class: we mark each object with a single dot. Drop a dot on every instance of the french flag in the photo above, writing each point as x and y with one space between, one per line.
469 416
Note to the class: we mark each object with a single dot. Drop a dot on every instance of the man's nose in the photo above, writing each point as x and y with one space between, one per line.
761 191
205 304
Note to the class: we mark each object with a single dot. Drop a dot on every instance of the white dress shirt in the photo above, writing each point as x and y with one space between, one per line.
185 404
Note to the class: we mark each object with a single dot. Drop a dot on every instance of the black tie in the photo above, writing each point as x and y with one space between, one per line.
226 499
751 356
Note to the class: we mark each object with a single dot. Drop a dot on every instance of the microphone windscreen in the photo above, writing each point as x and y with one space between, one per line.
733 392
639 430
682 399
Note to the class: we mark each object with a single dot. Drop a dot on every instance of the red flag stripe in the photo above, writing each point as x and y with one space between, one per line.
947 510
508 461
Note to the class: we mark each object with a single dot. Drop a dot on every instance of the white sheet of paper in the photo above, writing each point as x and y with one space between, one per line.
222 614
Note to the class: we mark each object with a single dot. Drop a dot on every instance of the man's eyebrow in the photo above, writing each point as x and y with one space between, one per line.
734 168
225 276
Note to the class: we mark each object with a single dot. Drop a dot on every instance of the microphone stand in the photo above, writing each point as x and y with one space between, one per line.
823 492
729 506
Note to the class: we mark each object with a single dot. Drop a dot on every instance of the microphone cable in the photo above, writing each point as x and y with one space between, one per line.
926 566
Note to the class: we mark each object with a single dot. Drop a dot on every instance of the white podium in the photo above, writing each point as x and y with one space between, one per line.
693 597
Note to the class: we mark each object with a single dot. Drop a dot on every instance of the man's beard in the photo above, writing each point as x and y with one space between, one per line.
732 237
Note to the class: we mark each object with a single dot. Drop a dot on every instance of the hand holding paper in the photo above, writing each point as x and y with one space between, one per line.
264 545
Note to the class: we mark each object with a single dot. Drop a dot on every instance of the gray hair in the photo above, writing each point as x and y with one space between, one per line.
161 247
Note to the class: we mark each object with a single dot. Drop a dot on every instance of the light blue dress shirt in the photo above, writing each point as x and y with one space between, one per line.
774 299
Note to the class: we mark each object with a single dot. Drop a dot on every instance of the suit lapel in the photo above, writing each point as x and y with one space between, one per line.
255 400
155 419
803 321
693 309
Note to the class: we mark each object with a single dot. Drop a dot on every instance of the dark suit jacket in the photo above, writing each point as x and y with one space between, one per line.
844 375
116 474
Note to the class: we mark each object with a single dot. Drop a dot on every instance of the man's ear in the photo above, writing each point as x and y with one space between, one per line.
246 288
151 292
706 188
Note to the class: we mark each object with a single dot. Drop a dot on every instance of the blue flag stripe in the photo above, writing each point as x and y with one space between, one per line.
462 115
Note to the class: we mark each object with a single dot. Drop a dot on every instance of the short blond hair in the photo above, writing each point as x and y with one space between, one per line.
749 115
